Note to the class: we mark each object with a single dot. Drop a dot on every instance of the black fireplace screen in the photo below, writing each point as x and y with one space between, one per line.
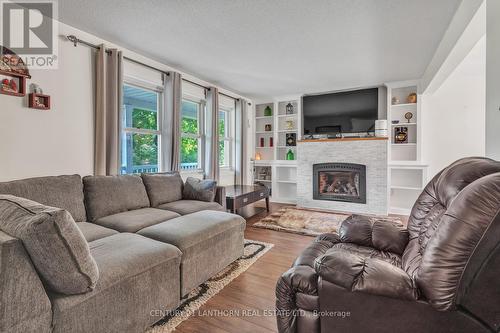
339 182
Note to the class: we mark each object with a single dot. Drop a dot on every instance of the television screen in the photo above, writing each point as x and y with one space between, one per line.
342 112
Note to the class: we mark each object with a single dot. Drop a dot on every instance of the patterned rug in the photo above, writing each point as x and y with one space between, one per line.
195 299
307 222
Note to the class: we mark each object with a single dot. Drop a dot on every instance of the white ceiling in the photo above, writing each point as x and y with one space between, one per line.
266 48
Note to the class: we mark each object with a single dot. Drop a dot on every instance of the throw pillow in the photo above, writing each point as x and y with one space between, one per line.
197 189
54 243
163 188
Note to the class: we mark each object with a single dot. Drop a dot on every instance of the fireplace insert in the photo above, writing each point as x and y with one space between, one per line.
339 182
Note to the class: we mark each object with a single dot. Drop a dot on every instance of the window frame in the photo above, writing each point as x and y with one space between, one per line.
201 136
124 130
228 137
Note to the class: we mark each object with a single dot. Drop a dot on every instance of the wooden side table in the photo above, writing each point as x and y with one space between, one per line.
238 196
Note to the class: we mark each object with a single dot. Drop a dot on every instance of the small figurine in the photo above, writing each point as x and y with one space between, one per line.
13 85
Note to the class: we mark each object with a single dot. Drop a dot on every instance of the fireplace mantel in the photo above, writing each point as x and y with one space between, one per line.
343 139
370 152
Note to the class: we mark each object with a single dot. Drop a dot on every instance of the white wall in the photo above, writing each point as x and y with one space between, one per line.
61 140
58 141
493 79
454 116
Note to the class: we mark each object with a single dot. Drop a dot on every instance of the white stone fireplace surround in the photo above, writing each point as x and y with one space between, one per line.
371 152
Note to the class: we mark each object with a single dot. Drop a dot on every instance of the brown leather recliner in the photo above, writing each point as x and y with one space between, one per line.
441 274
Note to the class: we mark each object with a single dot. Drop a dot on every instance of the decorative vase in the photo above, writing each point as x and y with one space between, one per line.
289 108
262 142
412 98
290 156
268 111
271 142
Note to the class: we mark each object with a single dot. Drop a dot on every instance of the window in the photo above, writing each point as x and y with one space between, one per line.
141 108
225 138
191 135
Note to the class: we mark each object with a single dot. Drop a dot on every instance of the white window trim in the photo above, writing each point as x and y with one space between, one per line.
228 137
141 84
201 136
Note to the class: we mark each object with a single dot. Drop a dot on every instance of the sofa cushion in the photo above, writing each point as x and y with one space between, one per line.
208 240
92 231
135 220
163 187
108 195
65 192
53 241
138 276
185 207
198 189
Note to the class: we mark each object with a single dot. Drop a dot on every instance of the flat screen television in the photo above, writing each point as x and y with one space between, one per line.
342 112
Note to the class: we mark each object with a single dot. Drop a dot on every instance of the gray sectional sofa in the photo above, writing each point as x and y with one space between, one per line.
145 244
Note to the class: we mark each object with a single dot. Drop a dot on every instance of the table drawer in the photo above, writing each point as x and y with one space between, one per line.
260 194
244 200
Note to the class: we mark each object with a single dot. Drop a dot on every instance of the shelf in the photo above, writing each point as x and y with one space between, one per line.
287 181
264 117
403 105
286 115
404 144
404 124
410 188
288 131
264 132
405 164
287 147
264 147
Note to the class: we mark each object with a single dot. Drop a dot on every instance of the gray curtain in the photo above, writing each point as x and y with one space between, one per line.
108 104
212 135
241 131
172 120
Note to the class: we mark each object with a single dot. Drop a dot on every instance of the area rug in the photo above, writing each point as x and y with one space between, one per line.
195 299
308 222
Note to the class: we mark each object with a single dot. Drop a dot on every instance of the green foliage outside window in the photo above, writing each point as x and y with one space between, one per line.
189 146
145 146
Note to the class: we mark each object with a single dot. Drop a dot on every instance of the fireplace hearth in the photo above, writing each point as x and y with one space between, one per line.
339 182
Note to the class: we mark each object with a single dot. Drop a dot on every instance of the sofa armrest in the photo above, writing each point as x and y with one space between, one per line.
24 304
379 233
368 275
220 196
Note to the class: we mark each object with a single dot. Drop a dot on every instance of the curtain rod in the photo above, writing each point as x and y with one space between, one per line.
75 40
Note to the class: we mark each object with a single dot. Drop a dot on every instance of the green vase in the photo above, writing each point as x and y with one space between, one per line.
290 156
268 111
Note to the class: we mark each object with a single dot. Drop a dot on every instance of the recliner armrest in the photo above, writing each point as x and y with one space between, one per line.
220 196
381 234
369 275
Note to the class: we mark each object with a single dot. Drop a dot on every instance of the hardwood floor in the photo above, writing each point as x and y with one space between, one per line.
251 294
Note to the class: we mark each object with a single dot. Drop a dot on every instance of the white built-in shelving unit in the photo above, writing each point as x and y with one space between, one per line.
281 174
407 174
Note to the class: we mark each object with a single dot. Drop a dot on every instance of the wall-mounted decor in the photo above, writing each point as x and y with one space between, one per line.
289 108
291 139
268 128
408 116
39 101
13 73
268 111
401 135
412 98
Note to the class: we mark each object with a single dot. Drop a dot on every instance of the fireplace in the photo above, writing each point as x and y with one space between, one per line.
339 182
